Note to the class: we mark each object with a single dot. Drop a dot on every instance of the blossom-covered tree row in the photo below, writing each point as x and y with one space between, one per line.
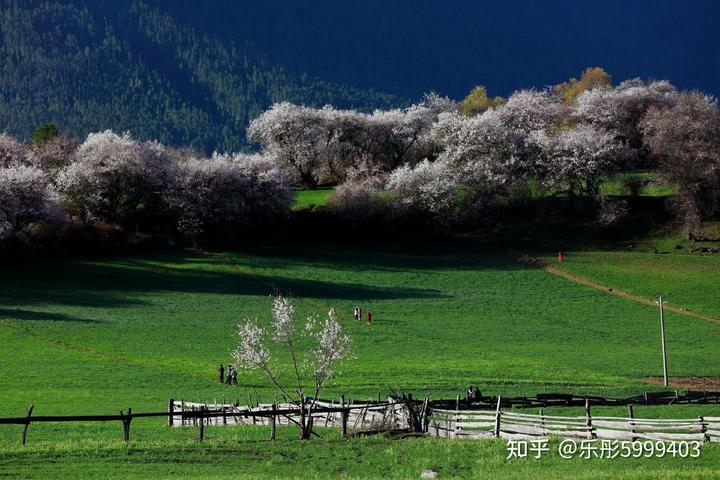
140 186
438 159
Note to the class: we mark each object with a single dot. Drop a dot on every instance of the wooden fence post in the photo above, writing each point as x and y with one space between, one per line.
497 419
425 422
224 411
27 424
171 410
703 428
273 419
631 415
126 424
202 424
344 416
588 418
182 408
542 420
250 407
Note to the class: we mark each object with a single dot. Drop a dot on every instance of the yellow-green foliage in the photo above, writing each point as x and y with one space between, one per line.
594 77
477 101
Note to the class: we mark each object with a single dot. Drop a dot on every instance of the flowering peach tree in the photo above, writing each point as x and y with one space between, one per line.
310 370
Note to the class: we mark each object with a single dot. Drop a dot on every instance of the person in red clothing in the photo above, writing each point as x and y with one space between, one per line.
359 314
368 318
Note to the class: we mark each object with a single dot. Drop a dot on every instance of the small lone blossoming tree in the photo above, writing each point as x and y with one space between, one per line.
330 345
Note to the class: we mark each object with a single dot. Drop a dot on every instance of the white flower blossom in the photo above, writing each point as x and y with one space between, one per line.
251 353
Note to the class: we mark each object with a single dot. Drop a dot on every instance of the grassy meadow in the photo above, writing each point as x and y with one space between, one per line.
101 335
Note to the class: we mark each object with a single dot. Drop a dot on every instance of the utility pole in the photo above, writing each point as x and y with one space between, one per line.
662 337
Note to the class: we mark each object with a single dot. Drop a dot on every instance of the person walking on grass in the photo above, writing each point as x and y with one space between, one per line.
355 314
359 314
234 376
228 377
221 371
368 318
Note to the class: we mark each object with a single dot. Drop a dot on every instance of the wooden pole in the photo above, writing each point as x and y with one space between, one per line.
273 419
631 415
182 407
224 411
703 427
662 338
126 425
497 419
27 424
344 416
424 414
171 410
250 407
202 424
542 420
588 418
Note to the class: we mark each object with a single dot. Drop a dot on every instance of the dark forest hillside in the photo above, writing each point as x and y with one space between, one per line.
129 66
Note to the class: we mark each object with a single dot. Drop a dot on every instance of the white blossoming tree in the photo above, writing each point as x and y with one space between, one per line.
26 197
225 193
115 179
310 371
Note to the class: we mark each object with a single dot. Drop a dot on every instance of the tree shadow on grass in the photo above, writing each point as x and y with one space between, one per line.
20 314
458 255
125 282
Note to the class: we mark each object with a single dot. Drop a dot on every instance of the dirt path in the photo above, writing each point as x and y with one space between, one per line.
695 384
552 269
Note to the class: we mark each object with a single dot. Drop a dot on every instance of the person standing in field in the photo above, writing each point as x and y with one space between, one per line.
222 373
234 376
355 314
368 318
228 378
359 314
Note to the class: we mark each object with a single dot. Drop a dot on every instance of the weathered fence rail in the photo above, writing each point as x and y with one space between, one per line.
514 425
389 415
547 400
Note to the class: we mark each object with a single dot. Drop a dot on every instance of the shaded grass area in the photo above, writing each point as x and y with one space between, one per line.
649 184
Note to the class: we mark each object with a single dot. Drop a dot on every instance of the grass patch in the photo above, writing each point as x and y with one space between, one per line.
649 184
312 198
686 280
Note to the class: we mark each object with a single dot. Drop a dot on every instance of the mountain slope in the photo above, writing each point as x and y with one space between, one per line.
129 66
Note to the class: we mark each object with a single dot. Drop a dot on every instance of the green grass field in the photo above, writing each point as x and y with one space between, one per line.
685 280
308 198
98 336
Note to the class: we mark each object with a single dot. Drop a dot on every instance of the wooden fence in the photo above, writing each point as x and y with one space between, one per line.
545 400
478 424
389 415
358 416
459 418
